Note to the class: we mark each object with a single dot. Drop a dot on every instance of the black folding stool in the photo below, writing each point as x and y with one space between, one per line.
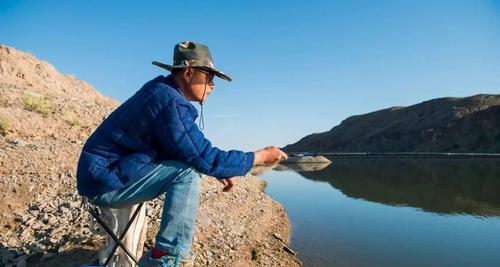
118 240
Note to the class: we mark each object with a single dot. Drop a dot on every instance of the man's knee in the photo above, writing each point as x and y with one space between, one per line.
186 172
192 174
183 172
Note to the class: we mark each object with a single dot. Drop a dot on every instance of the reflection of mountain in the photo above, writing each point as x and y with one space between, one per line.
302 167
260 170
436 185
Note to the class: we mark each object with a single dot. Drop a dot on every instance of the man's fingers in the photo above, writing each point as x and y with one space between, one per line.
270 155
280 155
284 156
222 181
230 184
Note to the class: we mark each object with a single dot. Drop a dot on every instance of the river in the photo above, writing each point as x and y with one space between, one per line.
392 211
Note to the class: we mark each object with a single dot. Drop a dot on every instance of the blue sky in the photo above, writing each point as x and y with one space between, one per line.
298 66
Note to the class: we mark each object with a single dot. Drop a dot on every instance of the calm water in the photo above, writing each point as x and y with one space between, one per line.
393 212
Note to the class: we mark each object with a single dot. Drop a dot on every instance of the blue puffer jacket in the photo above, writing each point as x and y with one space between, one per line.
155 124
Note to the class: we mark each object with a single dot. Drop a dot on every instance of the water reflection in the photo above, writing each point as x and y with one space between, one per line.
446 186
260 170
349 214
302 167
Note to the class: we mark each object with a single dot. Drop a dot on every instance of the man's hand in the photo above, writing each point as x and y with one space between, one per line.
228 183
269 155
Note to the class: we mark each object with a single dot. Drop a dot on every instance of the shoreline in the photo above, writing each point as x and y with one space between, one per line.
257 232
410 154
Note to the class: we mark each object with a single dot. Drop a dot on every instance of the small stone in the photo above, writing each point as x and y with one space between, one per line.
29 221
63 209
289 250
25 234
63 221
278 236
18 142
52 221
74 204
36 226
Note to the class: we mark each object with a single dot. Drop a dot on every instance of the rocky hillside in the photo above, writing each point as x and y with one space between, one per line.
470 124
45 118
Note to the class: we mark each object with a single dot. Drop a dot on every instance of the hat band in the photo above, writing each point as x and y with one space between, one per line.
193 63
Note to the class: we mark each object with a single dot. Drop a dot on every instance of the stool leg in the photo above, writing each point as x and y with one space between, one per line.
132 238
140 231
111 234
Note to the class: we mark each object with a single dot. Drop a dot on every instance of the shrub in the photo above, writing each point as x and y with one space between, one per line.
100 101
4 125
37 104
72 119
262 185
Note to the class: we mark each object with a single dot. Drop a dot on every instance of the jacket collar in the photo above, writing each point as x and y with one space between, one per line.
170 81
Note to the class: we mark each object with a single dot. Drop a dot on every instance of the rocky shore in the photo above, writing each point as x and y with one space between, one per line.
243 227
45 117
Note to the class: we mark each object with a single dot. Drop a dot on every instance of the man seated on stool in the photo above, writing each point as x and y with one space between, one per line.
151 145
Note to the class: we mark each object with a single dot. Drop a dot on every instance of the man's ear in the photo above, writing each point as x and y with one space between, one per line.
187 74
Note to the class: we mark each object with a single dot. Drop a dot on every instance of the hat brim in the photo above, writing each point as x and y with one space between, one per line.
218 73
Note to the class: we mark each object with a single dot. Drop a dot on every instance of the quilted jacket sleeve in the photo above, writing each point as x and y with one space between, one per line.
180 137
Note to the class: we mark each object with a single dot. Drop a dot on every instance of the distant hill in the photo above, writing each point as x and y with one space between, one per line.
469 124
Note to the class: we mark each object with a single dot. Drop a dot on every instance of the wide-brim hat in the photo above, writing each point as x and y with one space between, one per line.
190 54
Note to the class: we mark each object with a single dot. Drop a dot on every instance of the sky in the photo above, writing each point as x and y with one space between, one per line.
298 67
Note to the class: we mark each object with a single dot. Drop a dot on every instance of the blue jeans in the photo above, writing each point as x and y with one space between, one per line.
181 183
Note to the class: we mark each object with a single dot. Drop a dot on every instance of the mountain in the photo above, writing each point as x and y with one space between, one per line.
469 124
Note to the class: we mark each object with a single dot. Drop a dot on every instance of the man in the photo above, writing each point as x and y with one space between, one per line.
150 145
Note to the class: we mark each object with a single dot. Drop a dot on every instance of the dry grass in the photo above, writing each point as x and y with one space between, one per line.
99 102
37 104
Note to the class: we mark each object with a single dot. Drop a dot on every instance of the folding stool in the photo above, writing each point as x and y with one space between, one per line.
96 214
